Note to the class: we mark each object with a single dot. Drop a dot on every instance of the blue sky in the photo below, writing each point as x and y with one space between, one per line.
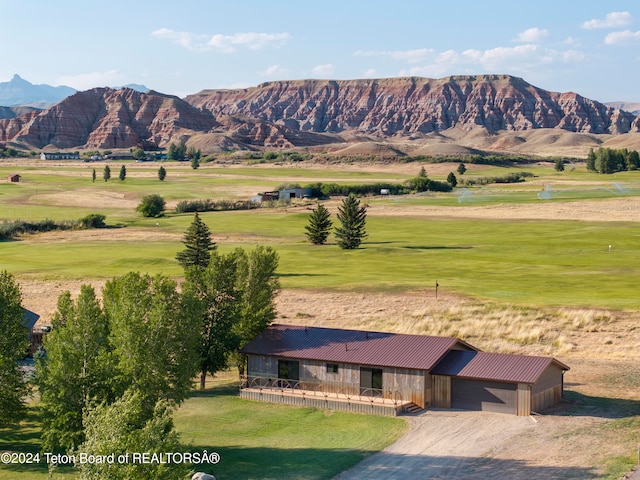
181 47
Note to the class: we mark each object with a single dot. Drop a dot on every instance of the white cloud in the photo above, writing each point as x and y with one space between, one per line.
624 37
223 43
411 56
275 71
250 40
522 58
612 20
532 35
190 41
370 73
323 70
85 81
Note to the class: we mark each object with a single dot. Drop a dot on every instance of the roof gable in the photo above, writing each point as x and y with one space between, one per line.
494 366
418 352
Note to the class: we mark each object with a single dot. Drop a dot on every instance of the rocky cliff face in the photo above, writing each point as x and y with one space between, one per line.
107 118
312 112
406 106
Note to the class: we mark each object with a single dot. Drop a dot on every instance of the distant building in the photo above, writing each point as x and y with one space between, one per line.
59 156
14 177
286 194
29 320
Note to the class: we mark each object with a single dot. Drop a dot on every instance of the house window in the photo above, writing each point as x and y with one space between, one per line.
332 368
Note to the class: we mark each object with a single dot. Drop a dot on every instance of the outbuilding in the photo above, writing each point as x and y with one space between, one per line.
304 365
14 177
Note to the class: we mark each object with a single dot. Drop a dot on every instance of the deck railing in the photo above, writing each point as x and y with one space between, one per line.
334 390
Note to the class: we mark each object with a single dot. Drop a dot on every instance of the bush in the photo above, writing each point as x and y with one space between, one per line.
151 206
93 220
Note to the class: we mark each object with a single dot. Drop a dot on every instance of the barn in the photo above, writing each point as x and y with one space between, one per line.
14 177
387 373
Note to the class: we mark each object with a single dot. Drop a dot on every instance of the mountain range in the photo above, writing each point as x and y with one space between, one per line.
387 117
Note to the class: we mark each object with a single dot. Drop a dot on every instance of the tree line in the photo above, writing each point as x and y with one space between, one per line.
610 160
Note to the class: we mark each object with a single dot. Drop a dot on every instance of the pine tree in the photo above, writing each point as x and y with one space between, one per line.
352 218
319 225
123 173
93 176
462 168
198 243
106 174
451 179
162 173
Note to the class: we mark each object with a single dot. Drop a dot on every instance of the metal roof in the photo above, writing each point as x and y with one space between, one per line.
494 366
29 318
418 352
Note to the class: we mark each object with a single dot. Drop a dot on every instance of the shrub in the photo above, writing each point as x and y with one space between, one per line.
151 206
93 220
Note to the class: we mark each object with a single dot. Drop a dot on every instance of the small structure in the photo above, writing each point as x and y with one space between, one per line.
59 156
14 177
386 373
290 193
29 320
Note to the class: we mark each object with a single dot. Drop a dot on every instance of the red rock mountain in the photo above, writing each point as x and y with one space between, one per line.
313 112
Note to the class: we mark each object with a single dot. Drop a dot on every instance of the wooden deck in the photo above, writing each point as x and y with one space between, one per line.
331 401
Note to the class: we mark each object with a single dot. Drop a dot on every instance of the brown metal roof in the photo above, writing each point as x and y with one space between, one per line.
352 346
494 366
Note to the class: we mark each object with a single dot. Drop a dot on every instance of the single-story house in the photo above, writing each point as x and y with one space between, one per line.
350 367
14 177
59 156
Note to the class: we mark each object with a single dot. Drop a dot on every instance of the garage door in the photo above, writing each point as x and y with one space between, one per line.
484 396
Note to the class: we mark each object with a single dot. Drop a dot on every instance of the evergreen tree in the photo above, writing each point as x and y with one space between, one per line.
559 165
462 168
171 153
162 173
422 173
93 176
451 179
106 173
195 162
198 243
352 219
319 225
123 173
13 346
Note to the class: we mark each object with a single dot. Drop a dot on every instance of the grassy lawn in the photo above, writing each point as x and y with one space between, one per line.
263 441
254 440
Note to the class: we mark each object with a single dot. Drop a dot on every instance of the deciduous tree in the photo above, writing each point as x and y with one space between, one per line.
151 206
122 428
152 336
13 346
76 371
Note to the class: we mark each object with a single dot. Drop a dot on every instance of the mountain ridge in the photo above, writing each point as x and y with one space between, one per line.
325 114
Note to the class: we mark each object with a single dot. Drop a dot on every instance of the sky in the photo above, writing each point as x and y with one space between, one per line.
590 47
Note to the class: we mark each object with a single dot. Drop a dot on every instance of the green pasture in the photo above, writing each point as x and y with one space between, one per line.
520 262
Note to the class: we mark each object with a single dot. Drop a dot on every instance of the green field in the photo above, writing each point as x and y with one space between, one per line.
539 262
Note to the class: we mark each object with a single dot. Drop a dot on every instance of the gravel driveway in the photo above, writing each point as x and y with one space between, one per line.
442 445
